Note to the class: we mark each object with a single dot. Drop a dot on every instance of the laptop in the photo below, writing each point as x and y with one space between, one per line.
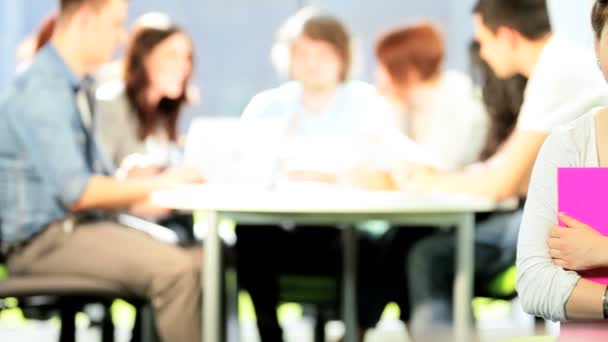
235 151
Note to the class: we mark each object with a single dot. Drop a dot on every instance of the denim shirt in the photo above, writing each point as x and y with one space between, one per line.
47 156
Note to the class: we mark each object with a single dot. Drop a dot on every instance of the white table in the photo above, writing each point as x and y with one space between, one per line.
325 205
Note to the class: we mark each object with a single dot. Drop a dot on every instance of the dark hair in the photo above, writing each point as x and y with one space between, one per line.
599 16
137 83
502 98
418 47
330 29
528 17
67 5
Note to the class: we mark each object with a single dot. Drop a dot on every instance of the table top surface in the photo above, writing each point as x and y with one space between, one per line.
322 199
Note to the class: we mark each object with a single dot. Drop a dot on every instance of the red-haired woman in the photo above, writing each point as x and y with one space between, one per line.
439 109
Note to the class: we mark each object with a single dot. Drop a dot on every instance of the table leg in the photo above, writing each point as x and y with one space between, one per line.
211 280
463 282
349 283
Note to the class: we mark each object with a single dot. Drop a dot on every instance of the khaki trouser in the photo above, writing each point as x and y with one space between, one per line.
168 276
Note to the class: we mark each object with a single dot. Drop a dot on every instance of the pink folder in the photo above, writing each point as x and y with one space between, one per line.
583 195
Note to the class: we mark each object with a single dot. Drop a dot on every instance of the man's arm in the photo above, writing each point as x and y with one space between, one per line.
505 175
103 192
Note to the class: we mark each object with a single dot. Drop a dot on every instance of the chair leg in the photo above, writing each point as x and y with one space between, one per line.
107 326
321 322
136 333
144 329
147 324
68 323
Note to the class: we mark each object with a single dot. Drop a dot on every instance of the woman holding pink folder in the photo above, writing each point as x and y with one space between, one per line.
550 258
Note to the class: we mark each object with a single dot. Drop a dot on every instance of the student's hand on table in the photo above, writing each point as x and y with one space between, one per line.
577 246
311 176
178 176
138 172
148 209
369 179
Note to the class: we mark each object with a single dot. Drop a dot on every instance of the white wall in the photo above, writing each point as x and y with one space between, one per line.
572 18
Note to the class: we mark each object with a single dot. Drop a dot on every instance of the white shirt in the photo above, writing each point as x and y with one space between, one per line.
356 127
565 84
544 287
451 121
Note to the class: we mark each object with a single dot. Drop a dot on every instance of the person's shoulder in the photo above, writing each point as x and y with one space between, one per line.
38 89
269 101
112 102
570 62
360 94
111 91
457 79
457 85
574 136
580 128
359 88
112 95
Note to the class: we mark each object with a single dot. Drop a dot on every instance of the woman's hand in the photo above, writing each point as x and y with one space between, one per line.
577 246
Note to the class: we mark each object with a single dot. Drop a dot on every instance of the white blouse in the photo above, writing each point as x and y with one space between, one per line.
544 287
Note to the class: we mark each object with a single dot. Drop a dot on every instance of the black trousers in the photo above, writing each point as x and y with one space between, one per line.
264 253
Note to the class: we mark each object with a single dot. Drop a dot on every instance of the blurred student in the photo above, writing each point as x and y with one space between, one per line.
56 195
549 257
138 114
440 109
515 38
502 99
323 106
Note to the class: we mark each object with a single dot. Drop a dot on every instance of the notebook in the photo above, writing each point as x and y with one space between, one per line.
583 195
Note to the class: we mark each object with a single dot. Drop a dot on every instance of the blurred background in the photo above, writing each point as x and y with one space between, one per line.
240 33
233 41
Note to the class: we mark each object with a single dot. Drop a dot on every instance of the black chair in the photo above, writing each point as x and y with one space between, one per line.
43 296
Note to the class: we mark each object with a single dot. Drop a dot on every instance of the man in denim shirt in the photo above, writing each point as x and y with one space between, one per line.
54 188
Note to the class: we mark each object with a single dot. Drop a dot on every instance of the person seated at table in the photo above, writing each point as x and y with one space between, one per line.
57 197
323 106
515 38
138 114
550 257
502 99
438 108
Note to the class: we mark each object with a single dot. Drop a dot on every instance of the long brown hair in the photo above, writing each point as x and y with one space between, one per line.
502 98
137 82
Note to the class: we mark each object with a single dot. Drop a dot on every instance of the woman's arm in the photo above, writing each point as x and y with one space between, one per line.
579 247
586 301
544 287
